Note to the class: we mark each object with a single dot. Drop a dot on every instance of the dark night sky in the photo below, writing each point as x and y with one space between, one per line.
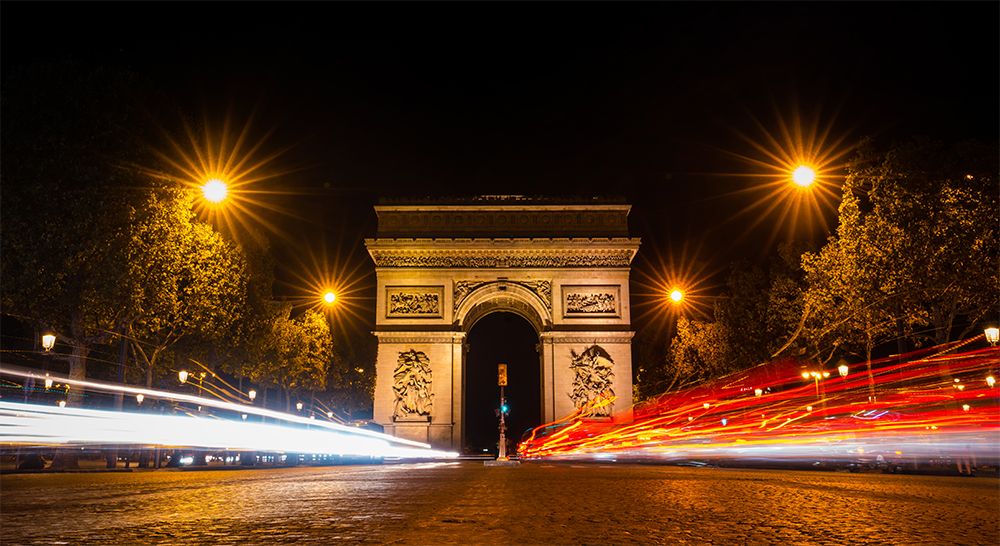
627 99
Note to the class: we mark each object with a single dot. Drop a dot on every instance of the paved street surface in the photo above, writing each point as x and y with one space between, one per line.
464 503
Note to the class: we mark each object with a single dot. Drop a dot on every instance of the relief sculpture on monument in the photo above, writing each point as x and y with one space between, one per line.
593 376
583 300
414 302
412 385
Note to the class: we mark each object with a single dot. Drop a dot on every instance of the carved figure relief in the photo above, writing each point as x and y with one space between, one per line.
591 300
543 289
593 375
412 385
414 301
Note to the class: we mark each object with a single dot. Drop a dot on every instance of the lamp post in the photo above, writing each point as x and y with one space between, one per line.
182 376
992 335
252 395
298 406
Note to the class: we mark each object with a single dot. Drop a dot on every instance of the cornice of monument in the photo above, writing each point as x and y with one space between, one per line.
503 252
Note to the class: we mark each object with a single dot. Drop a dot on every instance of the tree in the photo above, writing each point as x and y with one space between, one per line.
186 283
66 136
297 353
698 352
915 247
942 202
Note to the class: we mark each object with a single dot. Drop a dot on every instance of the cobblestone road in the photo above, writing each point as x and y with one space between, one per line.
465 503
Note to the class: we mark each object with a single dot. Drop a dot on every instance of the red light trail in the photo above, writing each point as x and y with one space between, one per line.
929 405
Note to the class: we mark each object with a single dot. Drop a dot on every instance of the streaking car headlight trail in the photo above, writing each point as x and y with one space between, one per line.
48 425
932 405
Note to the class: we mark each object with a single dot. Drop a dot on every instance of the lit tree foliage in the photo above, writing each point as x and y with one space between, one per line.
297 353
915 250
186 282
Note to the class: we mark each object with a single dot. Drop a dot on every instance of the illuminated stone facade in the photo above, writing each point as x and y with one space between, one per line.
441 266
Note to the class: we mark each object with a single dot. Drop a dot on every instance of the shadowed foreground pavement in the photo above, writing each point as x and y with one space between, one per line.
466 503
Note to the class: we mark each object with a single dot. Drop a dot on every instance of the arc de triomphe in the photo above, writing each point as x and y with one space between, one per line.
442 265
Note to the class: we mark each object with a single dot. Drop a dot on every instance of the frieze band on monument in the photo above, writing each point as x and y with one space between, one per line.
494 259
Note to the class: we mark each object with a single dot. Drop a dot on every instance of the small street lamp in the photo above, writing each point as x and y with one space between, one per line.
842 369
992 335
48 381
298 406
62 403
182 376
329 297
48 342
252 395
758 392
139 398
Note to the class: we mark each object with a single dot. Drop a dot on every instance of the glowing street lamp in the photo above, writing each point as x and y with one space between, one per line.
182 376
329 297
298 406
62 403
804 176
676 295
139 398
214 190
252 395
49 341
758 392
329 415
842 369
48 381
992 335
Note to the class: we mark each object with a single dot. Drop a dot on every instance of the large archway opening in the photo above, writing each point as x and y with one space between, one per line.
494 338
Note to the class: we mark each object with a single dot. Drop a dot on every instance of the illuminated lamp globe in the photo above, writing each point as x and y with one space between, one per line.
676 296
992 335
252 395
214 190
48 342
329 297
803 176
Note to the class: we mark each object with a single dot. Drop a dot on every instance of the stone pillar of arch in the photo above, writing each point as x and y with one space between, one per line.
441 266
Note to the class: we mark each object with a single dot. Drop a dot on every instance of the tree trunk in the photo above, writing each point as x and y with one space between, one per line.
77 371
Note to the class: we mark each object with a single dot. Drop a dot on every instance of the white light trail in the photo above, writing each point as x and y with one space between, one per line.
50 425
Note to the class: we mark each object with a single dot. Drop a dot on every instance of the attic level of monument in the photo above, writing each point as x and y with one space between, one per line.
504 216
